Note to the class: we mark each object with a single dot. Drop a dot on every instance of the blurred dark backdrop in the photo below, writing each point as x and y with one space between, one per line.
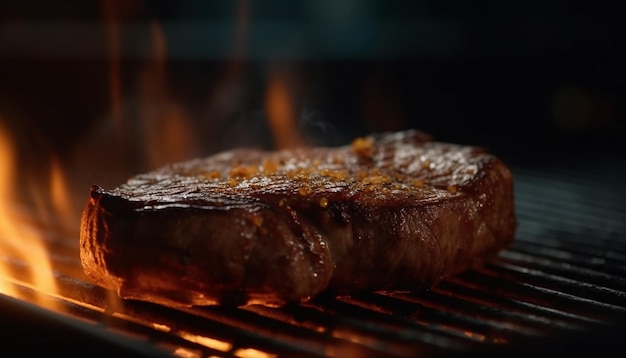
521 78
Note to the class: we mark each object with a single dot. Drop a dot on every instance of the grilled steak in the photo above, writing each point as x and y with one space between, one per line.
390 211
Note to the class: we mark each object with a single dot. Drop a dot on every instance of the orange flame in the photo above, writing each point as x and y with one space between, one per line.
115 86
60 195
169 135
241 30
17 239
281 114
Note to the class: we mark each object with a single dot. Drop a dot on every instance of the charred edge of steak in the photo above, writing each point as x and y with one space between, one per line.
170 238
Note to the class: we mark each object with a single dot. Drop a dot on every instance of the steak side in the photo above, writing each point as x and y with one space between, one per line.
389 211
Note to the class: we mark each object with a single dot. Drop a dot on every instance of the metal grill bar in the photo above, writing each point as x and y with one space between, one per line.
590 268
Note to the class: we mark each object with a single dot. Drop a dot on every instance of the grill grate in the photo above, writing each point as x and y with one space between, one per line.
562 280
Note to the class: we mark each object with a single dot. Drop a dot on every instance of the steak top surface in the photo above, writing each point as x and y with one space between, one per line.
388 211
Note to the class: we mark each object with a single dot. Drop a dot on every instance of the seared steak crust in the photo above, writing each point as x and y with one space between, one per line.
390 211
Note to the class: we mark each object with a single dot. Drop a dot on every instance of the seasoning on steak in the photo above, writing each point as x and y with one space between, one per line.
390 211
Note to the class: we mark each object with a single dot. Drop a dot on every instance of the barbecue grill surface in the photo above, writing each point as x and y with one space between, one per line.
559 288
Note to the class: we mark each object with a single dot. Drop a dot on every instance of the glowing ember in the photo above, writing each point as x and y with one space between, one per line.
207 342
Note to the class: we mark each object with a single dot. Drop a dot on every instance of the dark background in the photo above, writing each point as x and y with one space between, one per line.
93 83
528 81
